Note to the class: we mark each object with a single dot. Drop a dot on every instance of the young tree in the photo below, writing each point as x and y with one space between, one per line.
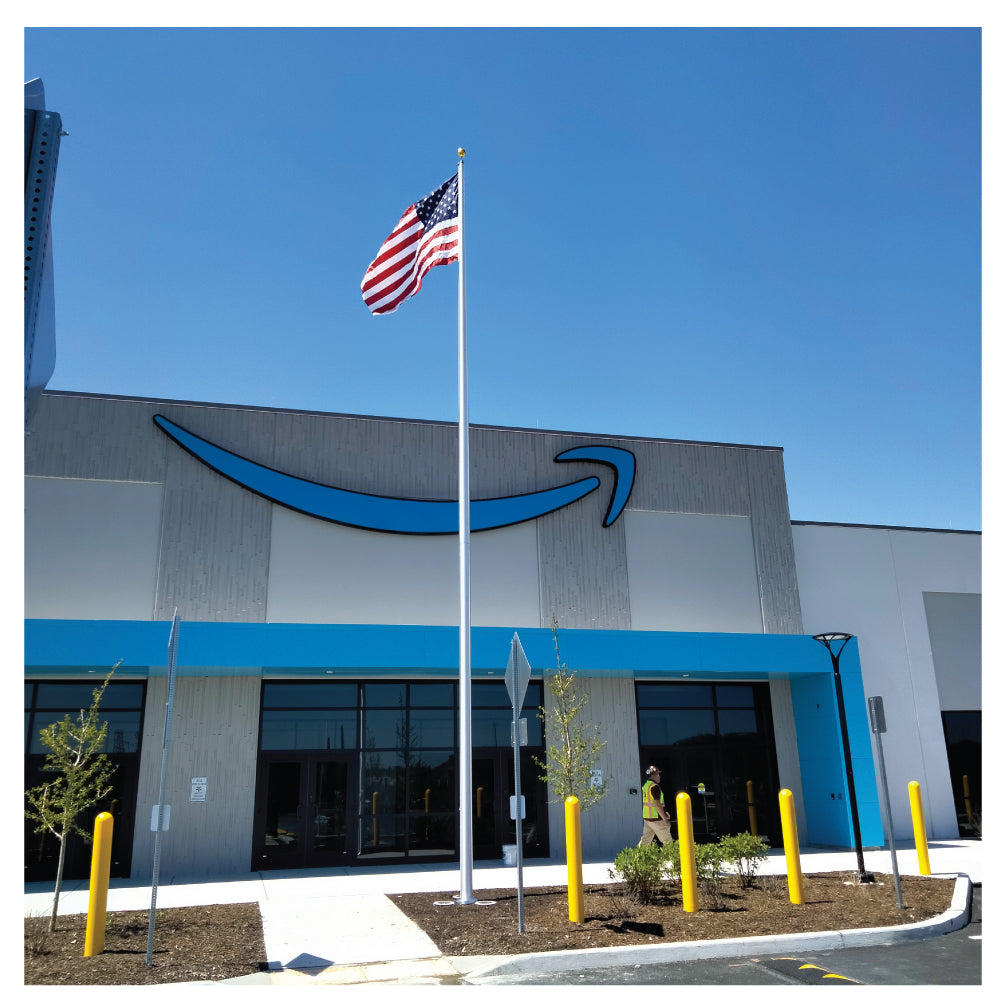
83 778
574 746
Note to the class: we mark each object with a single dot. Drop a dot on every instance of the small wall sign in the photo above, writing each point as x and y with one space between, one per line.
199 789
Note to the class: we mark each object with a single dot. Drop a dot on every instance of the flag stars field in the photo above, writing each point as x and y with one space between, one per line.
425 236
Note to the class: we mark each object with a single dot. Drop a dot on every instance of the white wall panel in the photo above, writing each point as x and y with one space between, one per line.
90 548
692 573
870 582
321 572
786 749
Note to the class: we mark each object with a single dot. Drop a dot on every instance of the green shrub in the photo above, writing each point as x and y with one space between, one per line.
708 861
709 868
744 852
642 869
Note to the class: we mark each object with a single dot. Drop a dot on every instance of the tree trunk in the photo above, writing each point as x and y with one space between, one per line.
59 874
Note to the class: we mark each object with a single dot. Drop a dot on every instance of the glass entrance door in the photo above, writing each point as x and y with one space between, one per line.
714 741
303 816
486 799
701 769
492 788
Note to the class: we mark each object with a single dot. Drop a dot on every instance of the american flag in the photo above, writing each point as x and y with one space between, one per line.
426 235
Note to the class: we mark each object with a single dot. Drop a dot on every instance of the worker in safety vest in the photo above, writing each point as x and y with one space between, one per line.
655 818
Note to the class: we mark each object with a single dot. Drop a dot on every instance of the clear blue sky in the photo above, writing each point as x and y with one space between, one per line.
760 236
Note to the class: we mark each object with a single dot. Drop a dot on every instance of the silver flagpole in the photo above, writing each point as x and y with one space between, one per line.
465 666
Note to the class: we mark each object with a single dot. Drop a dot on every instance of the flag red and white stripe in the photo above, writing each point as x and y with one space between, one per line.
426 235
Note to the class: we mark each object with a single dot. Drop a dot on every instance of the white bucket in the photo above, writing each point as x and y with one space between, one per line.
510 854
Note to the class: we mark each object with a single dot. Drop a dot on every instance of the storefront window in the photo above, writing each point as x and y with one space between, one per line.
675 695
430 803
383 695
120 708
430 727
307 729
391 745
383 728
329 694
714 742
734 695
383 804
432 694
963 734
667 727
737 722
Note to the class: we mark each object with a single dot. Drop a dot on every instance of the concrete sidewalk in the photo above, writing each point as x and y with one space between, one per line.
335 925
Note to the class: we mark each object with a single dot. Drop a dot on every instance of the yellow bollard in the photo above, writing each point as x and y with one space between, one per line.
790 833
100 870
919 830
479 802
966 791
574 860
751 809
685 840
427 801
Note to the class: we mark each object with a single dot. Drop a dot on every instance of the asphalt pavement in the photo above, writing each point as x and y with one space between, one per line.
336 925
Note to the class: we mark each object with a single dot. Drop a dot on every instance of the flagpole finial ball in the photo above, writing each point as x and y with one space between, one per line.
461 152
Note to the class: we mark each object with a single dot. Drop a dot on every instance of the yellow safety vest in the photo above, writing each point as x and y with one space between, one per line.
648 808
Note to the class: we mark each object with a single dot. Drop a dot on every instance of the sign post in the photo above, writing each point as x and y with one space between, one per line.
876 716
516 679
161 812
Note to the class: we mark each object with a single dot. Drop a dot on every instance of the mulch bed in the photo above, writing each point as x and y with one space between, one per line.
223 942
832 901
190 944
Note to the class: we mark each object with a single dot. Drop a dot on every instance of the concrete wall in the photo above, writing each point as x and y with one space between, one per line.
92 548
786 749
213 735
616 821
320 572
692 573
124 525
222 553
955 630
872 582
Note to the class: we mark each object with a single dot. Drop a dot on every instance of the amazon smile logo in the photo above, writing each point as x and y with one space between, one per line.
407 516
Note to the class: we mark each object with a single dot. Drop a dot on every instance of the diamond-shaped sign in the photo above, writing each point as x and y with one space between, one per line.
518 673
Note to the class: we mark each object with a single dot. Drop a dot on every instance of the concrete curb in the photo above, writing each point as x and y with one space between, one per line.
486 966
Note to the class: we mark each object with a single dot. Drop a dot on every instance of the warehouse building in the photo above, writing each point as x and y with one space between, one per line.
311 561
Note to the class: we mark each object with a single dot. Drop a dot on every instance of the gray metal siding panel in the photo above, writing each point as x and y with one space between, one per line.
213 735
90 437
689 478
215 539
387 457
582 567
772 534
616 821
216 536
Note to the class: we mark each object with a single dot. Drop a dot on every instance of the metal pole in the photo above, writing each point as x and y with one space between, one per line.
516 741
827 639
888 818
465 643
172 670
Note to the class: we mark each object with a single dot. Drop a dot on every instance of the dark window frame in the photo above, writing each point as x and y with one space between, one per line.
32 710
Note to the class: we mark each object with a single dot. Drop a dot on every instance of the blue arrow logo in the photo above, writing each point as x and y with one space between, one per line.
404 516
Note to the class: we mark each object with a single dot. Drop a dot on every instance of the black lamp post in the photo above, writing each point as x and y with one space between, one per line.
828 639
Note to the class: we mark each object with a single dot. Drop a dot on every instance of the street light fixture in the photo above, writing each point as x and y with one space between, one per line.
828 639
